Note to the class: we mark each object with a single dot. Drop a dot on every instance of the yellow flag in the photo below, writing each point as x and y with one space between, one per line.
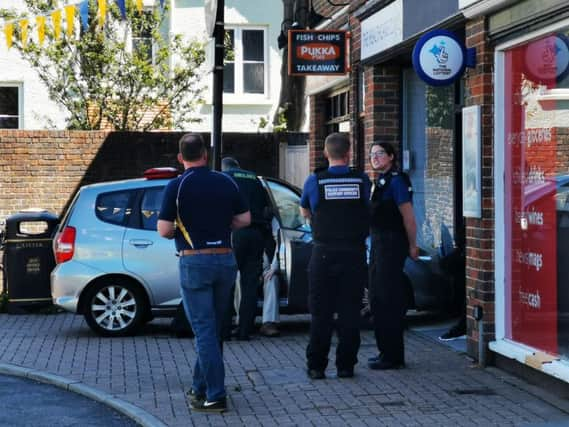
70 19
40 22
24 32
9 32
139 5
56 19
102 12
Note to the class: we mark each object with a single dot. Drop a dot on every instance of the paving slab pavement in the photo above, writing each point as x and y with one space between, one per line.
266 380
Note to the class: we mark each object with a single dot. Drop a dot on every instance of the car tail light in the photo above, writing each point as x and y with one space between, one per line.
65 245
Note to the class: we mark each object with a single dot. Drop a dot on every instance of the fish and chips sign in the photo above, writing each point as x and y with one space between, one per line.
312 52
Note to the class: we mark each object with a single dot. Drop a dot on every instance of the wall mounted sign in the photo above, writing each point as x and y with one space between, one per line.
312 52
439 57
547 59
382 30
471 162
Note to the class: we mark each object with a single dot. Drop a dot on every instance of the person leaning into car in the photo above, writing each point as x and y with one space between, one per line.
336 201
199 210
249 243
393 238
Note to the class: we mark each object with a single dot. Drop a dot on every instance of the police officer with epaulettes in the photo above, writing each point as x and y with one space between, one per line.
249 242
393 238
336 200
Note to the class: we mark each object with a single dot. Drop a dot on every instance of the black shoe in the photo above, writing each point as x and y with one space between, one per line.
316 374
454 333
346 373
374 358
195 398
382 364
204 406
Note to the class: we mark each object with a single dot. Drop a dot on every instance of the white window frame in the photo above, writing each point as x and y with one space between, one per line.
502 345
20 102
146 9
239 96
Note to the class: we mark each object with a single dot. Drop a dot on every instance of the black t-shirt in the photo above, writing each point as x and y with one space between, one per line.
206 202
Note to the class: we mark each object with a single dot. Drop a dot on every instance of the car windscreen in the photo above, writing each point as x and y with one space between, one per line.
287 204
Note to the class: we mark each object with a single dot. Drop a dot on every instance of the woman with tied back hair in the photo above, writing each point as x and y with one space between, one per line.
393 238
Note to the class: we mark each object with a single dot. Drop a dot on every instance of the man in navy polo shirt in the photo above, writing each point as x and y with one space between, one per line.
336 200
199 210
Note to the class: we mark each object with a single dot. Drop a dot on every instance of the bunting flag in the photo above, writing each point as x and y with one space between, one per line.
9 32
102 12
84 12
40 23
70 19
56 20
122 7
24 32
139 5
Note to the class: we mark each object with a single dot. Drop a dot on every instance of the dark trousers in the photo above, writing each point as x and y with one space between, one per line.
387 292
248 246
336 277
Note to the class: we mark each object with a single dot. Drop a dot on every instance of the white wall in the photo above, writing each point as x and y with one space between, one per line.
239 114
38 111
187 18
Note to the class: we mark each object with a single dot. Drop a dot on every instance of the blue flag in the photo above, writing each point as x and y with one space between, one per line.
122 8
84 12
162 4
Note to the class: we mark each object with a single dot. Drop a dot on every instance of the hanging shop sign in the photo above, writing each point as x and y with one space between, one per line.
439 57
547 59
318 52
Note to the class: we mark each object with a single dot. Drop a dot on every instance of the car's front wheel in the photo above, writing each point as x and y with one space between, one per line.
115 307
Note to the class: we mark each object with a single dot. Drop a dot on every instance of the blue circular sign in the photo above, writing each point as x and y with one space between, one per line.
439 57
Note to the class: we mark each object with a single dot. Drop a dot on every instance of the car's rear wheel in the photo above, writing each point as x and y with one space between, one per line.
115 307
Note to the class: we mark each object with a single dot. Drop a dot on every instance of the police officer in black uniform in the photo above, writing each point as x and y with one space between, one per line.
336 200
393 238
249 242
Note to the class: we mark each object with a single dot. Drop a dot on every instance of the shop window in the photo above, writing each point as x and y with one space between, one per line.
536 165
245 70
10 100
429 139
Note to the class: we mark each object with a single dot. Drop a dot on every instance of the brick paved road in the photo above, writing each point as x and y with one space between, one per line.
266 380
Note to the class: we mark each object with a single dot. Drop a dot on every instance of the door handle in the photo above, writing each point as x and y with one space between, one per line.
140 243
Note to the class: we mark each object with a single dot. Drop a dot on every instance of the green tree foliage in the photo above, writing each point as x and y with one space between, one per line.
103 83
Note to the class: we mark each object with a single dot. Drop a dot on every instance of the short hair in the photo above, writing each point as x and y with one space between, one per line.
337 145
192 146
229 163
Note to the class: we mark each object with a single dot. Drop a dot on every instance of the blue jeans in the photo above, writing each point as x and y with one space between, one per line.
207 282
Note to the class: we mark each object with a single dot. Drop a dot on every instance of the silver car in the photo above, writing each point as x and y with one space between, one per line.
114 268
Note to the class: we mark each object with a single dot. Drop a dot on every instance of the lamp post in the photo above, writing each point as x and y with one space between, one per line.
216 134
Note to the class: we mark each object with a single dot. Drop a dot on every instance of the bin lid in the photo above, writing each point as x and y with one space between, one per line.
27 216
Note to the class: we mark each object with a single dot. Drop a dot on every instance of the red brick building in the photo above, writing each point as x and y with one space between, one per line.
515 238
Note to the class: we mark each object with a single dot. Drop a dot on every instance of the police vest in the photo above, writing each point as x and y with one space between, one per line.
385 214
252 189
341 216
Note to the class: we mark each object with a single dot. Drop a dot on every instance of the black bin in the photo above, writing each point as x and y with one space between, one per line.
28 258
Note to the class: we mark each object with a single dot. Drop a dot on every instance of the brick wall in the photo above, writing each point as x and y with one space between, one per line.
45 168
480 232
382 107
